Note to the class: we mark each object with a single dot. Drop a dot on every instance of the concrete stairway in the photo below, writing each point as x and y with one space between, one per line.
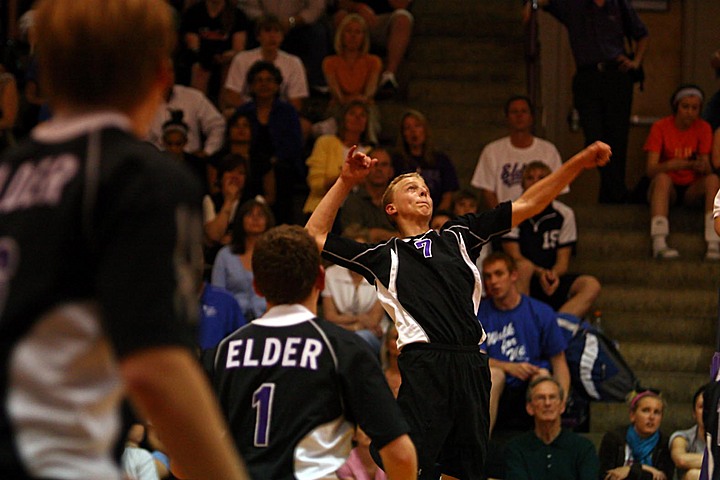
663 313
465 60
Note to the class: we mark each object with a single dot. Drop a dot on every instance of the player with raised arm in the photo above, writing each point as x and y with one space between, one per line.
429 285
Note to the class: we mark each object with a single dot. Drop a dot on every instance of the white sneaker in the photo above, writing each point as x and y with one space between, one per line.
388 79
712 255
666 253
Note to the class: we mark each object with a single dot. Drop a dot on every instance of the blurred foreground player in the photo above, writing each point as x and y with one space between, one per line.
97 238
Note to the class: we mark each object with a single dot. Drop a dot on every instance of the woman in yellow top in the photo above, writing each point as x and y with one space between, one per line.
329 152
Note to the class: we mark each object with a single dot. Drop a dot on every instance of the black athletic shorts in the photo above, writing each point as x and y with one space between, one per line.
445 395
557 299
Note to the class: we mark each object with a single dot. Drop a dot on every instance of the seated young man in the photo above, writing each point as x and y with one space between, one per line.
541 246
523 342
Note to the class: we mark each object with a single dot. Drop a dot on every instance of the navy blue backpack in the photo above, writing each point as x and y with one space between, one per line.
597 369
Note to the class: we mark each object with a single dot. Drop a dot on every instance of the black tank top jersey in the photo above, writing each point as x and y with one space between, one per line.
428 284
96 230
293 386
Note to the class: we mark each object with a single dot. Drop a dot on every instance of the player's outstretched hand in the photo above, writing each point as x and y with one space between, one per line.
596 155
356 166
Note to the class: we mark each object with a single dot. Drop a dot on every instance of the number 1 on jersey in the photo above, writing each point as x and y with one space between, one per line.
262 401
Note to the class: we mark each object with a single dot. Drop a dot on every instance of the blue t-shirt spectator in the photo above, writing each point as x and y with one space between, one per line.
220 315
527 333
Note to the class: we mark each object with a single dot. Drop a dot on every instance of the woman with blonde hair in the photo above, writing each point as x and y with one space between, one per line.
351 74
640 450
417 154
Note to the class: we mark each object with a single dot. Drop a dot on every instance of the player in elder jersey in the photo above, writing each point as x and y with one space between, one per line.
293 386
97 234
430 286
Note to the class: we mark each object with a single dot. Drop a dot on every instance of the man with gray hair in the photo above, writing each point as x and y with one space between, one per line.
549 452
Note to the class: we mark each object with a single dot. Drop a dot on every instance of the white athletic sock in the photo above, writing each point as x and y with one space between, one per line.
659 229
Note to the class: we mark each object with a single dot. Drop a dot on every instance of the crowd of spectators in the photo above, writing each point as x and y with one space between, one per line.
238 118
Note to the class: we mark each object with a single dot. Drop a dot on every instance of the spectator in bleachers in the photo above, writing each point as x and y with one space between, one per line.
292 88
232 269
416 153
206 126
173 140
639 451
260 178
464 202
364 205
351 302
549 452
687 446
678 163
389 354
352 73
219 208
360 464
711 113
137 463
306 35
9 104
276 135
498 173
440 218
214 31
608 41
390 25
329 151
34 108
524 342
542 246
220 315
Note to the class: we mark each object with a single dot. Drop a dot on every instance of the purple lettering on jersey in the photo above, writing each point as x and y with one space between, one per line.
512 174
425 245
262 402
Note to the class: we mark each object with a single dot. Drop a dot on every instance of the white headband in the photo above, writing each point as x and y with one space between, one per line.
687 92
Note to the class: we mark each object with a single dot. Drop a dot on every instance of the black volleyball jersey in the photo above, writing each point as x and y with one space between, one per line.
292 388
428 284
96 235
541 236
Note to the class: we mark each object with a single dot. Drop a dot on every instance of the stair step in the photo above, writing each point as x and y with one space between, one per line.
467 93
479 71
495 9
440 50
642 271
598 243
673 358
640 326
659 301
635 217
469 25
676 388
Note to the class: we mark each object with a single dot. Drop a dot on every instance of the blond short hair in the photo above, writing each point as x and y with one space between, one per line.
102 53
389 195
353 17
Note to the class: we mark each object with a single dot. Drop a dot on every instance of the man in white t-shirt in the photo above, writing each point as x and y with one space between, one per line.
294 87
499 170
